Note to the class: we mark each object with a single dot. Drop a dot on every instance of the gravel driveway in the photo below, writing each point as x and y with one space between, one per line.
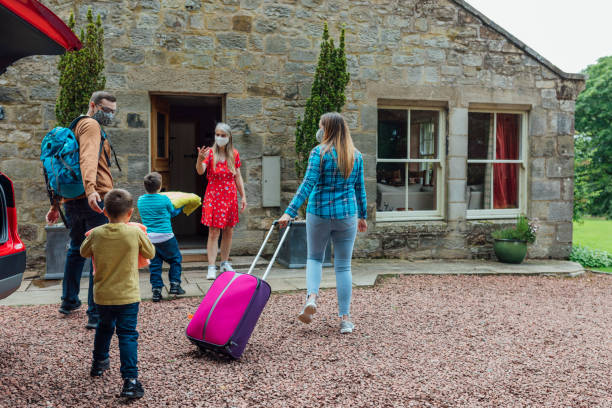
447 341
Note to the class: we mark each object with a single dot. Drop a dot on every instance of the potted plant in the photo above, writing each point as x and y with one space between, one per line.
511 243
327 95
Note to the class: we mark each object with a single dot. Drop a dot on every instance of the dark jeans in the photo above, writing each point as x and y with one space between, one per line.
166 251
125 319
81 219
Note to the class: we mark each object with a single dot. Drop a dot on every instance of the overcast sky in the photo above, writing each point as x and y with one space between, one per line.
571 34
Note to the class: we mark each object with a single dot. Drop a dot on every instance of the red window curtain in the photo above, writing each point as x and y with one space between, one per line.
505 185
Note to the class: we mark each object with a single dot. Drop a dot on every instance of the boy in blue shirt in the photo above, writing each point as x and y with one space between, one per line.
156 210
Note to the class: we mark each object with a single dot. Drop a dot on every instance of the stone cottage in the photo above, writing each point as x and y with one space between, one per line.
462 126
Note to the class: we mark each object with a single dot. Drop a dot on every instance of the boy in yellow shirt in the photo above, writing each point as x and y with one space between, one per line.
115 247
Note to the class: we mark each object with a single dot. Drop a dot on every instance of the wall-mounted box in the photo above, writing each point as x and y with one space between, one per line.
270 181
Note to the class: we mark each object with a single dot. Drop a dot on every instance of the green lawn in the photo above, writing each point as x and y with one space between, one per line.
595 233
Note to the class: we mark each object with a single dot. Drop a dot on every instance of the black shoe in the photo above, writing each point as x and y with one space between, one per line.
98 367
92 321
157 295
175 289
132 388
69 307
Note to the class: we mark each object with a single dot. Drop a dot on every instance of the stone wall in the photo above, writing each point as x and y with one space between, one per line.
261 54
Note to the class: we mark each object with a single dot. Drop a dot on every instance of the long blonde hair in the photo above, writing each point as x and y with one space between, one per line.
337 134
229 148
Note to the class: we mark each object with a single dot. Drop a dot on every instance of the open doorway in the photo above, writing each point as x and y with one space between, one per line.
180 123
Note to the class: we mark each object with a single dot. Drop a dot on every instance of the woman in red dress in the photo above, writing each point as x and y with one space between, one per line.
220 207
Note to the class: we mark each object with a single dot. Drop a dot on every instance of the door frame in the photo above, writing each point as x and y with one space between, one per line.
159 105
157 163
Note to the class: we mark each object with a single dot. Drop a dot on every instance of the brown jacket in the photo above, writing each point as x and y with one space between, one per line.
96 173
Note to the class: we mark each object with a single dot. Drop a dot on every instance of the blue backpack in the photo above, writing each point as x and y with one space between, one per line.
59 153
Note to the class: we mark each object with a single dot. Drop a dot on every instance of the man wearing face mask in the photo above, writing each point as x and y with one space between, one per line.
84 213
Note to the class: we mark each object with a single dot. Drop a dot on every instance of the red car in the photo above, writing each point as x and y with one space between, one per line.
40 32
12 250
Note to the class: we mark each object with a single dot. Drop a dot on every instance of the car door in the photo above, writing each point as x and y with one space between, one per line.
12 250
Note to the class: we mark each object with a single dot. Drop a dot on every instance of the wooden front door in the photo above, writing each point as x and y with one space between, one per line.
160 131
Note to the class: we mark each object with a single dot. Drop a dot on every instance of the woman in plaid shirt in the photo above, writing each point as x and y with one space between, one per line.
335 189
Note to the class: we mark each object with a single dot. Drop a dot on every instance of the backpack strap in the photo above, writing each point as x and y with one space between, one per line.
112 149
76 121
103 137
73 124
54 199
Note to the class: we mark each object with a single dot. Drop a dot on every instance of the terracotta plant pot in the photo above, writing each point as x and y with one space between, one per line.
510 250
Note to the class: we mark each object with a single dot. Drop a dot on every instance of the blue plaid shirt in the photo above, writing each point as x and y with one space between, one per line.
329 194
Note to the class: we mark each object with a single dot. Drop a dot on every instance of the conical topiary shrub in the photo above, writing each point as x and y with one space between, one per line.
327 95
81 72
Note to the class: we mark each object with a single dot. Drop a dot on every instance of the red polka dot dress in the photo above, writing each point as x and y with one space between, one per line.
220 207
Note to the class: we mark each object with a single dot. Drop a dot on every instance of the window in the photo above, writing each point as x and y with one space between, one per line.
161 135
409 176
496 176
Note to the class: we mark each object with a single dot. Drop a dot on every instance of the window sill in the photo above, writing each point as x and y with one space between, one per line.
492 214
399 216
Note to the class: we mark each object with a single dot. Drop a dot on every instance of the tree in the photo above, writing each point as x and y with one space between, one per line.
594 151
583 196
327 95
81 72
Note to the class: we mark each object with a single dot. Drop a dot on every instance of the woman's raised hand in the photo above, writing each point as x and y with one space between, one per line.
203 153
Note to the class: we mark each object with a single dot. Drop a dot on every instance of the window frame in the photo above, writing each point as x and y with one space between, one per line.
492 213
435 215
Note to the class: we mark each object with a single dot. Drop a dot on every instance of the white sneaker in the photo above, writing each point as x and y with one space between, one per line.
226 266
308 310
346 326
212 273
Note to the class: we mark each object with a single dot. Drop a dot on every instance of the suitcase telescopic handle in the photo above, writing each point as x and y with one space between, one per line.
280 244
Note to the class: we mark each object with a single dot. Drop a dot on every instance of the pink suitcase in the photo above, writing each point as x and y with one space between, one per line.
230 309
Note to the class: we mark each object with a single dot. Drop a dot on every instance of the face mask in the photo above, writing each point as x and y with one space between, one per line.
221 141
103 118
320 134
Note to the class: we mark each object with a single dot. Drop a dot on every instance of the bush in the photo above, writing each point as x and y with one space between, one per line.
327 95
590 258
81 72
524 230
